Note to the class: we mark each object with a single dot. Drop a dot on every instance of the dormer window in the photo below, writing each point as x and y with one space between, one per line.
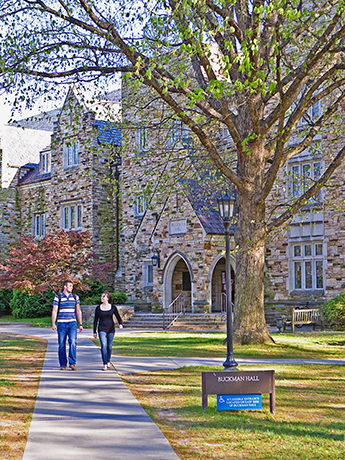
45 162
71 153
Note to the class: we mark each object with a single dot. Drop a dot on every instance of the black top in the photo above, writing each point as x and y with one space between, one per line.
104 319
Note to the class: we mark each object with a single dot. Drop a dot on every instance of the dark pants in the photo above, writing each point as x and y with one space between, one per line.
106 340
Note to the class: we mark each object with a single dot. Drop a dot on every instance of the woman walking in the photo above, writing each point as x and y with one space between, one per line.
106 328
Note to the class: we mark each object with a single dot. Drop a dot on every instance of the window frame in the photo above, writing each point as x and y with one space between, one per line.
46 162
39 224
141 139
305 266
71 153
302 174
147 268
140 205
72 213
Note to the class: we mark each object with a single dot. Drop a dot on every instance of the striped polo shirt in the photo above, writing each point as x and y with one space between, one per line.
67 307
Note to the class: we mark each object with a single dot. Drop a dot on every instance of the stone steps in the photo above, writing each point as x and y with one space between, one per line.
188 321
207 321
145 321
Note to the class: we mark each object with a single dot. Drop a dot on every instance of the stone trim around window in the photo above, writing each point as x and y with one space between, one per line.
71 215
39 225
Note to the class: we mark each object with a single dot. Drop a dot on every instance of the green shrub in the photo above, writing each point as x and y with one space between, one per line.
92 300
96 289
29 305
5 299
118 298
334 310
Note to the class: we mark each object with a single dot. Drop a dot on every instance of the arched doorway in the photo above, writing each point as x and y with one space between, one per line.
177 279
218 286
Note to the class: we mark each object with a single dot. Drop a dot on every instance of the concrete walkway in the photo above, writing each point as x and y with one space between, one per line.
90 414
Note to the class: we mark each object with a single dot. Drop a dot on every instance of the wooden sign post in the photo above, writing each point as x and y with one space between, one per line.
238 383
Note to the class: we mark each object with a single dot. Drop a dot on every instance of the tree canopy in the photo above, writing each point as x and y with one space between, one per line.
271 73
37 266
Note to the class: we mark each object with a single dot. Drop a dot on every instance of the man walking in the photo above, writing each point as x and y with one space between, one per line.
66 309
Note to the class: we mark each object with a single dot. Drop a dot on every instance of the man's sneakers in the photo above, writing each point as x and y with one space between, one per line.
63 368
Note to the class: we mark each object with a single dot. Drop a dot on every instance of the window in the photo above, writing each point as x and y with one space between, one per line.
140 206
303 176
140 139
39 225
177 132
45 162
72 217
71 152
149 274
312 114
308 266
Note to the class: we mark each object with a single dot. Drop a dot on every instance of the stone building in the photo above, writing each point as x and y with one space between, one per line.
72 185
305 259
180 227
172 238
159 224
17 148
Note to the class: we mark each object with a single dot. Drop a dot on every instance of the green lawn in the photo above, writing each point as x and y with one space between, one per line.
21 361
193 344
34 322
309 423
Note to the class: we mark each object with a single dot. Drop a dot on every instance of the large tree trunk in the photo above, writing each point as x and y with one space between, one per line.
250 325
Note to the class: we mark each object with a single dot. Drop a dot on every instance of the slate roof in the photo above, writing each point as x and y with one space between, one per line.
103 105
43 121
19 147
109 133
204 202
33 175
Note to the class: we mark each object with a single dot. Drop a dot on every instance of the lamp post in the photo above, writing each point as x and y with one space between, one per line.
226 209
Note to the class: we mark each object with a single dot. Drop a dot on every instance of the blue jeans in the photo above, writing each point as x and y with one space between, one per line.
69 330
106 340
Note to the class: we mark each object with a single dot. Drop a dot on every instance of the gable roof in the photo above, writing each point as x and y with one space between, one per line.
204 202
20 146
33 174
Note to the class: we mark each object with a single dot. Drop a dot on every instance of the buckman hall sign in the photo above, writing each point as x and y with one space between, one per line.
237 390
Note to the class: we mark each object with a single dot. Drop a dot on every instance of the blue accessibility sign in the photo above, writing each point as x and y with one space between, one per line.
239 402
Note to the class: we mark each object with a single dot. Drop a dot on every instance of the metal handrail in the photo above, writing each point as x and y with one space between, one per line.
223 310
174 310
223 304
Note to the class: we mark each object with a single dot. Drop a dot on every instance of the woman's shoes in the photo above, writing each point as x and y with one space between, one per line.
108 365
105 367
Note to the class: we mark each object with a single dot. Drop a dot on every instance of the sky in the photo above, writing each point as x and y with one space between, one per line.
5 111
41 106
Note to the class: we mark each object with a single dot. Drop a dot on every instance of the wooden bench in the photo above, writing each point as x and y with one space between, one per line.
305 316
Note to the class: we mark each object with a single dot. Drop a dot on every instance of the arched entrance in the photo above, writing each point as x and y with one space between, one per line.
218 285
177 279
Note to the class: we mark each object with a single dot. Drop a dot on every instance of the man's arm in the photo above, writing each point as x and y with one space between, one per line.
78 314
54 315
